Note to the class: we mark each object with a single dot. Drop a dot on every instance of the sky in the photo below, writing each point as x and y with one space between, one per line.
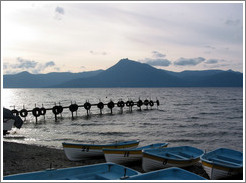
58 36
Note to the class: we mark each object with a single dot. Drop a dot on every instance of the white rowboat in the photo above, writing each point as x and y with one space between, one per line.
124 156
182 156
77 152
222 163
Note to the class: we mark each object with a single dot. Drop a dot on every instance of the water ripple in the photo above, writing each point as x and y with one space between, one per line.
203 117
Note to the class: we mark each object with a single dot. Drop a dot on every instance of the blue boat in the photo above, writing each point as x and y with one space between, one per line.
102 171
173 173
125 156
181 156
222 163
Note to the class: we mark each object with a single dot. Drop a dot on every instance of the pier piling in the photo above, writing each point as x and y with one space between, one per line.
73 107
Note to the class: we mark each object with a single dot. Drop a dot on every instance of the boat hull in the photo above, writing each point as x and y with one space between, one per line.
77 152
168 174
182 156
103 171
222 163
123 157
150 163
216 172
126 156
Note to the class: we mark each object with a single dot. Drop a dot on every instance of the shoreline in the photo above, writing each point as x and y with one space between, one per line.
23 158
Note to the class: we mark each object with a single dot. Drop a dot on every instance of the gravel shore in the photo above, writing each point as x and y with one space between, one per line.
21 158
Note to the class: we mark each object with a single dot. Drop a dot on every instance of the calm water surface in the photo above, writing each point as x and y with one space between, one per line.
206 118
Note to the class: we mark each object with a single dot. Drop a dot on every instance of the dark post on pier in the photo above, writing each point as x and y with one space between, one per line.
58 109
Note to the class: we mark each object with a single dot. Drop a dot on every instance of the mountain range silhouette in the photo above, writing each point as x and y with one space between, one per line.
126 73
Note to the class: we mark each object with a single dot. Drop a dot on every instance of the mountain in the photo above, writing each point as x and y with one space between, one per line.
222 79
126 73
211 78
194 75
27 80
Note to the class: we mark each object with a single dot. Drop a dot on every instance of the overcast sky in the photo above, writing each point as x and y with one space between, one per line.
42 37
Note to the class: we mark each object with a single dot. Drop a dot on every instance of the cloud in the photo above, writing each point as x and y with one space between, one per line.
212 61
24 64
57 68
49 64
210 47
215 63
157 54
28 65
232 22
5 66
59 10
189 61
217 66
41 67
159 62
98 53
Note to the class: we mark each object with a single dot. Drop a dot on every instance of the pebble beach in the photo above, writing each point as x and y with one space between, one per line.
22 158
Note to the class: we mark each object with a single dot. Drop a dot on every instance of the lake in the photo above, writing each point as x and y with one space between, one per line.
206 118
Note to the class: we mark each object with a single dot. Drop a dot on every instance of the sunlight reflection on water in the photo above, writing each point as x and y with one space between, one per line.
207 118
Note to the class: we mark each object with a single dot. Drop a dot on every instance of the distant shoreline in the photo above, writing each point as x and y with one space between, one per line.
21 158
126 73
131 87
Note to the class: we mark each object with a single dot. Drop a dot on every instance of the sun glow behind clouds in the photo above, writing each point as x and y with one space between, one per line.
15 30
96 35
17 33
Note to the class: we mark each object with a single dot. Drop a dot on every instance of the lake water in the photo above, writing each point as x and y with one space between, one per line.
206 118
